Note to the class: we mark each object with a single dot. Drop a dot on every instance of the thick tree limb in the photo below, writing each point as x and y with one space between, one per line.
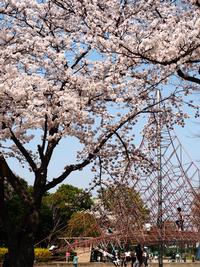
161 62
188 77
15 182
23 151
42 148
50 148
41 174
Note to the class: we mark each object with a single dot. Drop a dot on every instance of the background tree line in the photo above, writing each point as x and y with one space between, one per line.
56 211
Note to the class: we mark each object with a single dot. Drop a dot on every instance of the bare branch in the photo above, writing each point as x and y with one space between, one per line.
124 145
41 148
23 151
163 62
51 145
80 57
188 77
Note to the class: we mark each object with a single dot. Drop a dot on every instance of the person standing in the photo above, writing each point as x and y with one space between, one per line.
67 255
123 259
133 258
139 255
104 256
75 260
127 257
180 220
145 257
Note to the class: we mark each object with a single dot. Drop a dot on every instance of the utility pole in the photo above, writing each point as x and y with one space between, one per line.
160 186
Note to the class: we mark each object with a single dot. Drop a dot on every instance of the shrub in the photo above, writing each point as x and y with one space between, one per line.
3 251
42 254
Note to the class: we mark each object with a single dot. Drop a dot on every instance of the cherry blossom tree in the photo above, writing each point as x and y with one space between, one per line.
86 69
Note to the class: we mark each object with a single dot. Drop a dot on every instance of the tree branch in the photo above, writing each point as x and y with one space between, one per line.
197 3
23 151
51 145
80 57
188 77
91 156
164 62
41 148
15 182
124 145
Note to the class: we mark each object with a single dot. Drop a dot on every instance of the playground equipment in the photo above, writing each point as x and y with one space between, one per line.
144 208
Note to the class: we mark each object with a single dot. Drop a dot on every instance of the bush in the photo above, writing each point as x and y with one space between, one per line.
3 251
42 254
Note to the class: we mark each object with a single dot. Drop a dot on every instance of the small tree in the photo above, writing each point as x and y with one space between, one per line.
124 207
83 224
66 201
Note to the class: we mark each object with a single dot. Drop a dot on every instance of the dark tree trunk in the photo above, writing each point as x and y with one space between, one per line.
20 230
21 250
21 243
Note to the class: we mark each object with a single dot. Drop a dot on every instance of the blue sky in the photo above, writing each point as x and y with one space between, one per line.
190 138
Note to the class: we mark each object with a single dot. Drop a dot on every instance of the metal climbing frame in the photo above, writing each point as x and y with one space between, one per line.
143 209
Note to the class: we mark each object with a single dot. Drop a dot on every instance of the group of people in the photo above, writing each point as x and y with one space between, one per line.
136 258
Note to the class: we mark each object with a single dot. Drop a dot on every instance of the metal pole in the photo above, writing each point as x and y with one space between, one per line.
160 187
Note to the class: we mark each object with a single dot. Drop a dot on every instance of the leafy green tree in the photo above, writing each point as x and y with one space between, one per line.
69 199
15 210
64 202
56 209
45 225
